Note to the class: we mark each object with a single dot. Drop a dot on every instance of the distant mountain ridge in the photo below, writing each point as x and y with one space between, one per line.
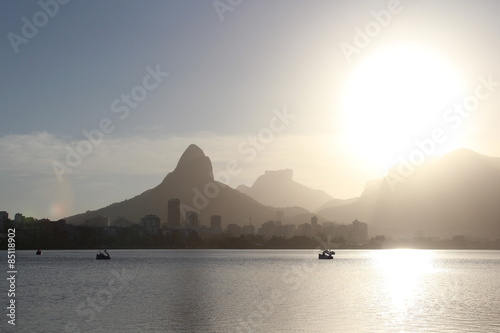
455 194
278 189
336 203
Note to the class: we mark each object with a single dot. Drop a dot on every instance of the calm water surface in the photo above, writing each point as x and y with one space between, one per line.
256 291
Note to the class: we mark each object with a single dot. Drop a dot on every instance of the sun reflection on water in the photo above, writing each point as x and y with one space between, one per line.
403 273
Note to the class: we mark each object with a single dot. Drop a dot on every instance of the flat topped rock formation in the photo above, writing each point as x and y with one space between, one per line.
278 189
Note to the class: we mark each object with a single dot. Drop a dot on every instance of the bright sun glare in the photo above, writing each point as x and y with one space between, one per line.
394 96
403 271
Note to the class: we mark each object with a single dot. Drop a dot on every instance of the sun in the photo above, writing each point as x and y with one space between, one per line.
394 96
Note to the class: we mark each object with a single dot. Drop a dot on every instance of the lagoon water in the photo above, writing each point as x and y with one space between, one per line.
256 291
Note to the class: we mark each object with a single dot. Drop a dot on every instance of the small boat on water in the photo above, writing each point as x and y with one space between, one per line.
103 255
39 252
327 254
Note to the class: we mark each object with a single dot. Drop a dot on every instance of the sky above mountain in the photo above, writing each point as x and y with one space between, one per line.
100 98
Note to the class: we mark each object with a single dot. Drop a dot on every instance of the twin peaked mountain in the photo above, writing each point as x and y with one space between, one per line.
458 193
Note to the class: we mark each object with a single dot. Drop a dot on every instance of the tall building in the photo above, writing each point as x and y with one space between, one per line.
267 229
18 218
121 222
215 222
192 219
52 229
305 230
151 224
233 230
344 231
248 229
314 226
288 230
4 216
174 213
329 229
279 215
98 221
359 232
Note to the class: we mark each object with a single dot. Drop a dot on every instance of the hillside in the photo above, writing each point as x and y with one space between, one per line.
455 194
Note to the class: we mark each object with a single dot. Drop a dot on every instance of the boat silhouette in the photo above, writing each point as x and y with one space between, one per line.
103 255
327 254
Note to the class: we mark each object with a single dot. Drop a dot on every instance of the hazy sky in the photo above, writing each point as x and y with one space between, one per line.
360 81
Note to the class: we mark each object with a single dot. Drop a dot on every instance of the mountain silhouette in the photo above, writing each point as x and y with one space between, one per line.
455 194
336 203
278 189
193 183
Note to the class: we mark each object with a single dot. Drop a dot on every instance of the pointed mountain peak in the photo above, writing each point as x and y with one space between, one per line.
194 164
191 154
